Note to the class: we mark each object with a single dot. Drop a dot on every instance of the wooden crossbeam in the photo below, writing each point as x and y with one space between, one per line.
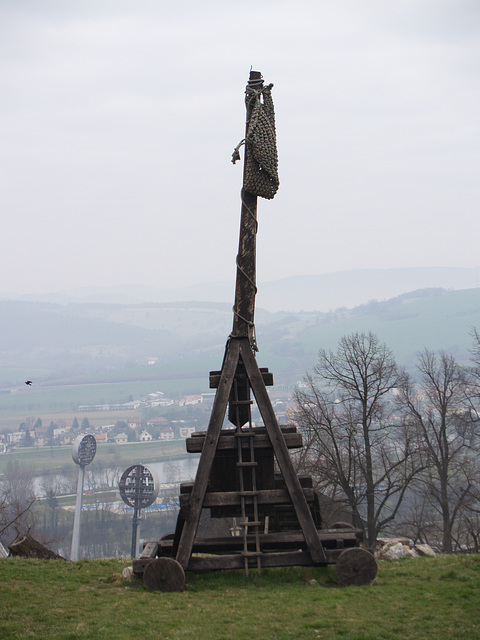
232 498
228 443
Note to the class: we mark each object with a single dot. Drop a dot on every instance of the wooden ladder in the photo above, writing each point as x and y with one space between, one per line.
250 494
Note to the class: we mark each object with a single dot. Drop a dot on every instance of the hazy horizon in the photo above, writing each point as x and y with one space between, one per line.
119 119
314 292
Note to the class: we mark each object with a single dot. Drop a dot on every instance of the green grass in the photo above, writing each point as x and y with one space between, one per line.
411 599
54 397
46 459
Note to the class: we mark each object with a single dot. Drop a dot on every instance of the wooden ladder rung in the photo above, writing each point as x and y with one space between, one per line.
247 464
248 494
249 523
252 554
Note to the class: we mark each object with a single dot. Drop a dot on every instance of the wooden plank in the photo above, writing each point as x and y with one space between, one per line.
236 561
280 559
233 433
209 448
266 375
271 541
281 452
260 441
149 550
233 498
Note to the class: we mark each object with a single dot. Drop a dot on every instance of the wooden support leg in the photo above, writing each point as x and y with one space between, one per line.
292 482
208 453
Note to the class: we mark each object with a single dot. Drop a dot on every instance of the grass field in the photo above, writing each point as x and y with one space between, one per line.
49 397
46 459
411 599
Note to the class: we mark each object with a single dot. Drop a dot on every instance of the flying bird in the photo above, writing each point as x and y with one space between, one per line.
29 382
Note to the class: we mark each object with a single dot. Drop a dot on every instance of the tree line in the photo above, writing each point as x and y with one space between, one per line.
395 452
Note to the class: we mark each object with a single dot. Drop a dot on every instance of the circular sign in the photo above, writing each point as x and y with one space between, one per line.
138 486
84 449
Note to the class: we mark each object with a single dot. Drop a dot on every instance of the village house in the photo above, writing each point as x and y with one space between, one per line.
58 431
157 422
101 437
145 436
121 438
186 432
160 402
41 435
15 437
191 400
134 423
167 433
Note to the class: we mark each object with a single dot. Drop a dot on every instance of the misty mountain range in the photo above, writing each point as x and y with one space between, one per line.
88 342
325 292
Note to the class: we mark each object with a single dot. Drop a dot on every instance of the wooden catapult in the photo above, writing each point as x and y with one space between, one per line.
277 514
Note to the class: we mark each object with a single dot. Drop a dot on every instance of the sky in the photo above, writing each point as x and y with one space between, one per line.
118 120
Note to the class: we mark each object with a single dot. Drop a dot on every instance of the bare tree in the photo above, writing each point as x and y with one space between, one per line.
354 442
473 395
16 500
418 519
438 408
51 486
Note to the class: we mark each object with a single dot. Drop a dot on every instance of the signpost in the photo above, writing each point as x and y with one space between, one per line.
138 488
84 449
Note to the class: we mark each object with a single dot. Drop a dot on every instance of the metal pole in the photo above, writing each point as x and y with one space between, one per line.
136 519
78 513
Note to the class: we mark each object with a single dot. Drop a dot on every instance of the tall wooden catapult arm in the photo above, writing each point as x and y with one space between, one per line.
239 361
246 288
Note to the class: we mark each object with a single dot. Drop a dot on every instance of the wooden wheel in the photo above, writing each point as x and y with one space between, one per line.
168 536
164 574
356 566
342 525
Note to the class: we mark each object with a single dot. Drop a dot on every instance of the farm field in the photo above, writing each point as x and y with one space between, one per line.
61 398
46 459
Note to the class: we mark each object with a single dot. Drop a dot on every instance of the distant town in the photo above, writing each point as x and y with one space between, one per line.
184 417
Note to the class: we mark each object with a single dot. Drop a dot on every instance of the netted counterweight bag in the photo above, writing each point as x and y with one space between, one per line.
261 167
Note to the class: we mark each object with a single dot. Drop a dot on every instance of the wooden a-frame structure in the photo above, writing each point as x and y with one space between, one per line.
235 474
239 352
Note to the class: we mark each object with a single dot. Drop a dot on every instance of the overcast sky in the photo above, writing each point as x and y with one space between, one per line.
118 120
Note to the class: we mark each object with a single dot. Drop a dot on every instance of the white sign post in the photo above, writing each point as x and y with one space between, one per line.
83 452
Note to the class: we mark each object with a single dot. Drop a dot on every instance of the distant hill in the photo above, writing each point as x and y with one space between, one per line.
330 291
432 318
89 342
324 292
